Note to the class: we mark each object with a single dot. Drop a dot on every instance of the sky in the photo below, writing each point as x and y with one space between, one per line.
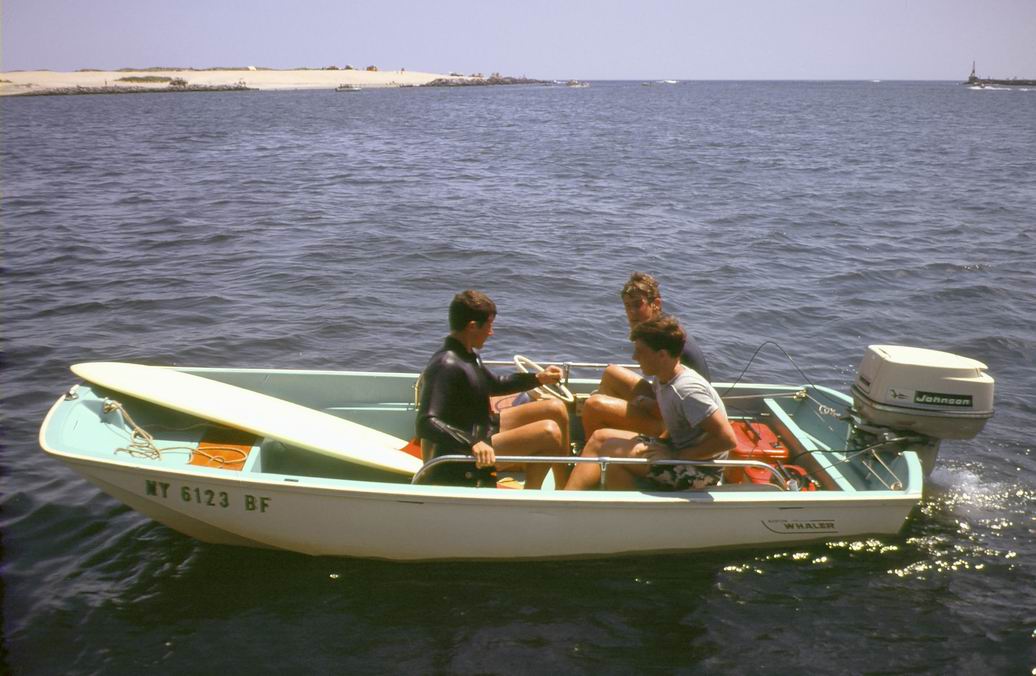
550 39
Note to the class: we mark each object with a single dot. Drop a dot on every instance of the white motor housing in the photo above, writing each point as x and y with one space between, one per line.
936 394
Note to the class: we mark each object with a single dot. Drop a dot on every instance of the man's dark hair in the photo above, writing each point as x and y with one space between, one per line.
661 333
470 306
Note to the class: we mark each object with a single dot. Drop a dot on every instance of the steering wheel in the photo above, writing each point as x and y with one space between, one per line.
558 391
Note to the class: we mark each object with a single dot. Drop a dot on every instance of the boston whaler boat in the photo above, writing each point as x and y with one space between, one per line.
324 462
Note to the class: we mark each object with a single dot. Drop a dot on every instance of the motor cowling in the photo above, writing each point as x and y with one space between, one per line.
927 392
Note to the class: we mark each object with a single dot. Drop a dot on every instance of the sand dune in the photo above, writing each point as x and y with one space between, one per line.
20 82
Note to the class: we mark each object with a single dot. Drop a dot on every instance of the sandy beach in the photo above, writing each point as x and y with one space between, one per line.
37 81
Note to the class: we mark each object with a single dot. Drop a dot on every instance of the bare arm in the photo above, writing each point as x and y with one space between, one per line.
719 437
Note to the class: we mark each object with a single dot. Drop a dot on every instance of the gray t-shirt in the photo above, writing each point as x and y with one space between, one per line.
685 401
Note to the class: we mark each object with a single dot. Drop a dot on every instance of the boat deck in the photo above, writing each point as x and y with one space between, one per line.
804 421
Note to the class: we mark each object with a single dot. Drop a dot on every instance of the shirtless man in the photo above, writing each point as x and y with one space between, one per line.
454 415
625 400
695 425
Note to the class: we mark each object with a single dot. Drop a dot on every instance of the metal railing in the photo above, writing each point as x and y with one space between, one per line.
891 481
572 364
603 462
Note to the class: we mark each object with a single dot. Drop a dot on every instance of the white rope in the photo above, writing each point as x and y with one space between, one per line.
142 443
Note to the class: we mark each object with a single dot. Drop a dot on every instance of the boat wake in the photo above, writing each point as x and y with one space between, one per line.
966 494
977 508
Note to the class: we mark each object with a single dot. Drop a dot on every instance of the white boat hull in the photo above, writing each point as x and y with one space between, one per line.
278 499
400 522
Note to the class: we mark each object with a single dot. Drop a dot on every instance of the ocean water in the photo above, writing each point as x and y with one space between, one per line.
328 230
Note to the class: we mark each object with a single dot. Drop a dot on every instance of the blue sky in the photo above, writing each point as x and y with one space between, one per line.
608 39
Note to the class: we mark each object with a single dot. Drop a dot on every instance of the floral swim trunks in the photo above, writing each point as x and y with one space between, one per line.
678 477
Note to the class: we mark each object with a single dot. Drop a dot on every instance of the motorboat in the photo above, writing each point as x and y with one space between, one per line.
577 84
347 88
325 463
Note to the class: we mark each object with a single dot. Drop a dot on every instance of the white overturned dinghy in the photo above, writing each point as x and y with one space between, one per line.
321 463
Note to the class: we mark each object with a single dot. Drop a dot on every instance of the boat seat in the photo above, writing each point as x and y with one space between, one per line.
791 431
224 448
498 404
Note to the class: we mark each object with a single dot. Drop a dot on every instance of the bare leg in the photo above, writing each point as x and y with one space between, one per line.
623 477
604 443
544 409
619 381
538 438
603 411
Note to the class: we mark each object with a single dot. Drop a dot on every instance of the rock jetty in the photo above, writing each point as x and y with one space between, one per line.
133 89
484 81
976 81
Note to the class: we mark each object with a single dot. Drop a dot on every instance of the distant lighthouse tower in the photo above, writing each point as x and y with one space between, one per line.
972 79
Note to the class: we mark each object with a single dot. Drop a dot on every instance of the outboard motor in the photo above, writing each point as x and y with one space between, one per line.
912 391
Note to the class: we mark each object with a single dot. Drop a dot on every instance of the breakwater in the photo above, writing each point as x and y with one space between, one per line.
987 82
484 81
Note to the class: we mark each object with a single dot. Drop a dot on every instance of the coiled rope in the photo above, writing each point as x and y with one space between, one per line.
142 443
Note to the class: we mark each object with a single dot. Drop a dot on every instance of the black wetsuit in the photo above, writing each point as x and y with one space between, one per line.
454 413
694 358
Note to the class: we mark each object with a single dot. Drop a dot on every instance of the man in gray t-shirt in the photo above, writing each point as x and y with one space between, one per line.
696 425
685 401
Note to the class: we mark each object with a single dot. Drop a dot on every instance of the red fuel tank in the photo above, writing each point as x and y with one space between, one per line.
755 441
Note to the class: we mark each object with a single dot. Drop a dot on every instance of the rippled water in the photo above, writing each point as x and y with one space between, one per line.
315 229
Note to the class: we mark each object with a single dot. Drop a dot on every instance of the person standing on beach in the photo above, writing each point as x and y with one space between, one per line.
695 425
625 400
454 417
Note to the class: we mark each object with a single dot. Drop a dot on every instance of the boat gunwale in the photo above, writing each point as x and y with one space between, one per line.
397 491
459 494
352 489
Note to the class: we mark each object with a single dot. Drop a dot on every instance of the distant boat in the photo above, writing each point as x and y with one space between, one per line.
667 82
982 82
577 84
347 88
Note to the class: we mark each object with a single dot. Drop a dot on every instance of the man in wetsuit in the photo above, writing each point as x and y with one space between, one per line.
625 400
454 417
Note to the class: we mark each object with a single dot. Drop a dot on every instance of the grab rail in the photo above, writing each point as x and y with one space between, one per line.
572 364
603 462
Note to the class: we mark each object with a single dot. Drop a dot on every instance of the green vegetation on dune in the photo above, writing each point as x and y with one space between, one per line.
145 78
